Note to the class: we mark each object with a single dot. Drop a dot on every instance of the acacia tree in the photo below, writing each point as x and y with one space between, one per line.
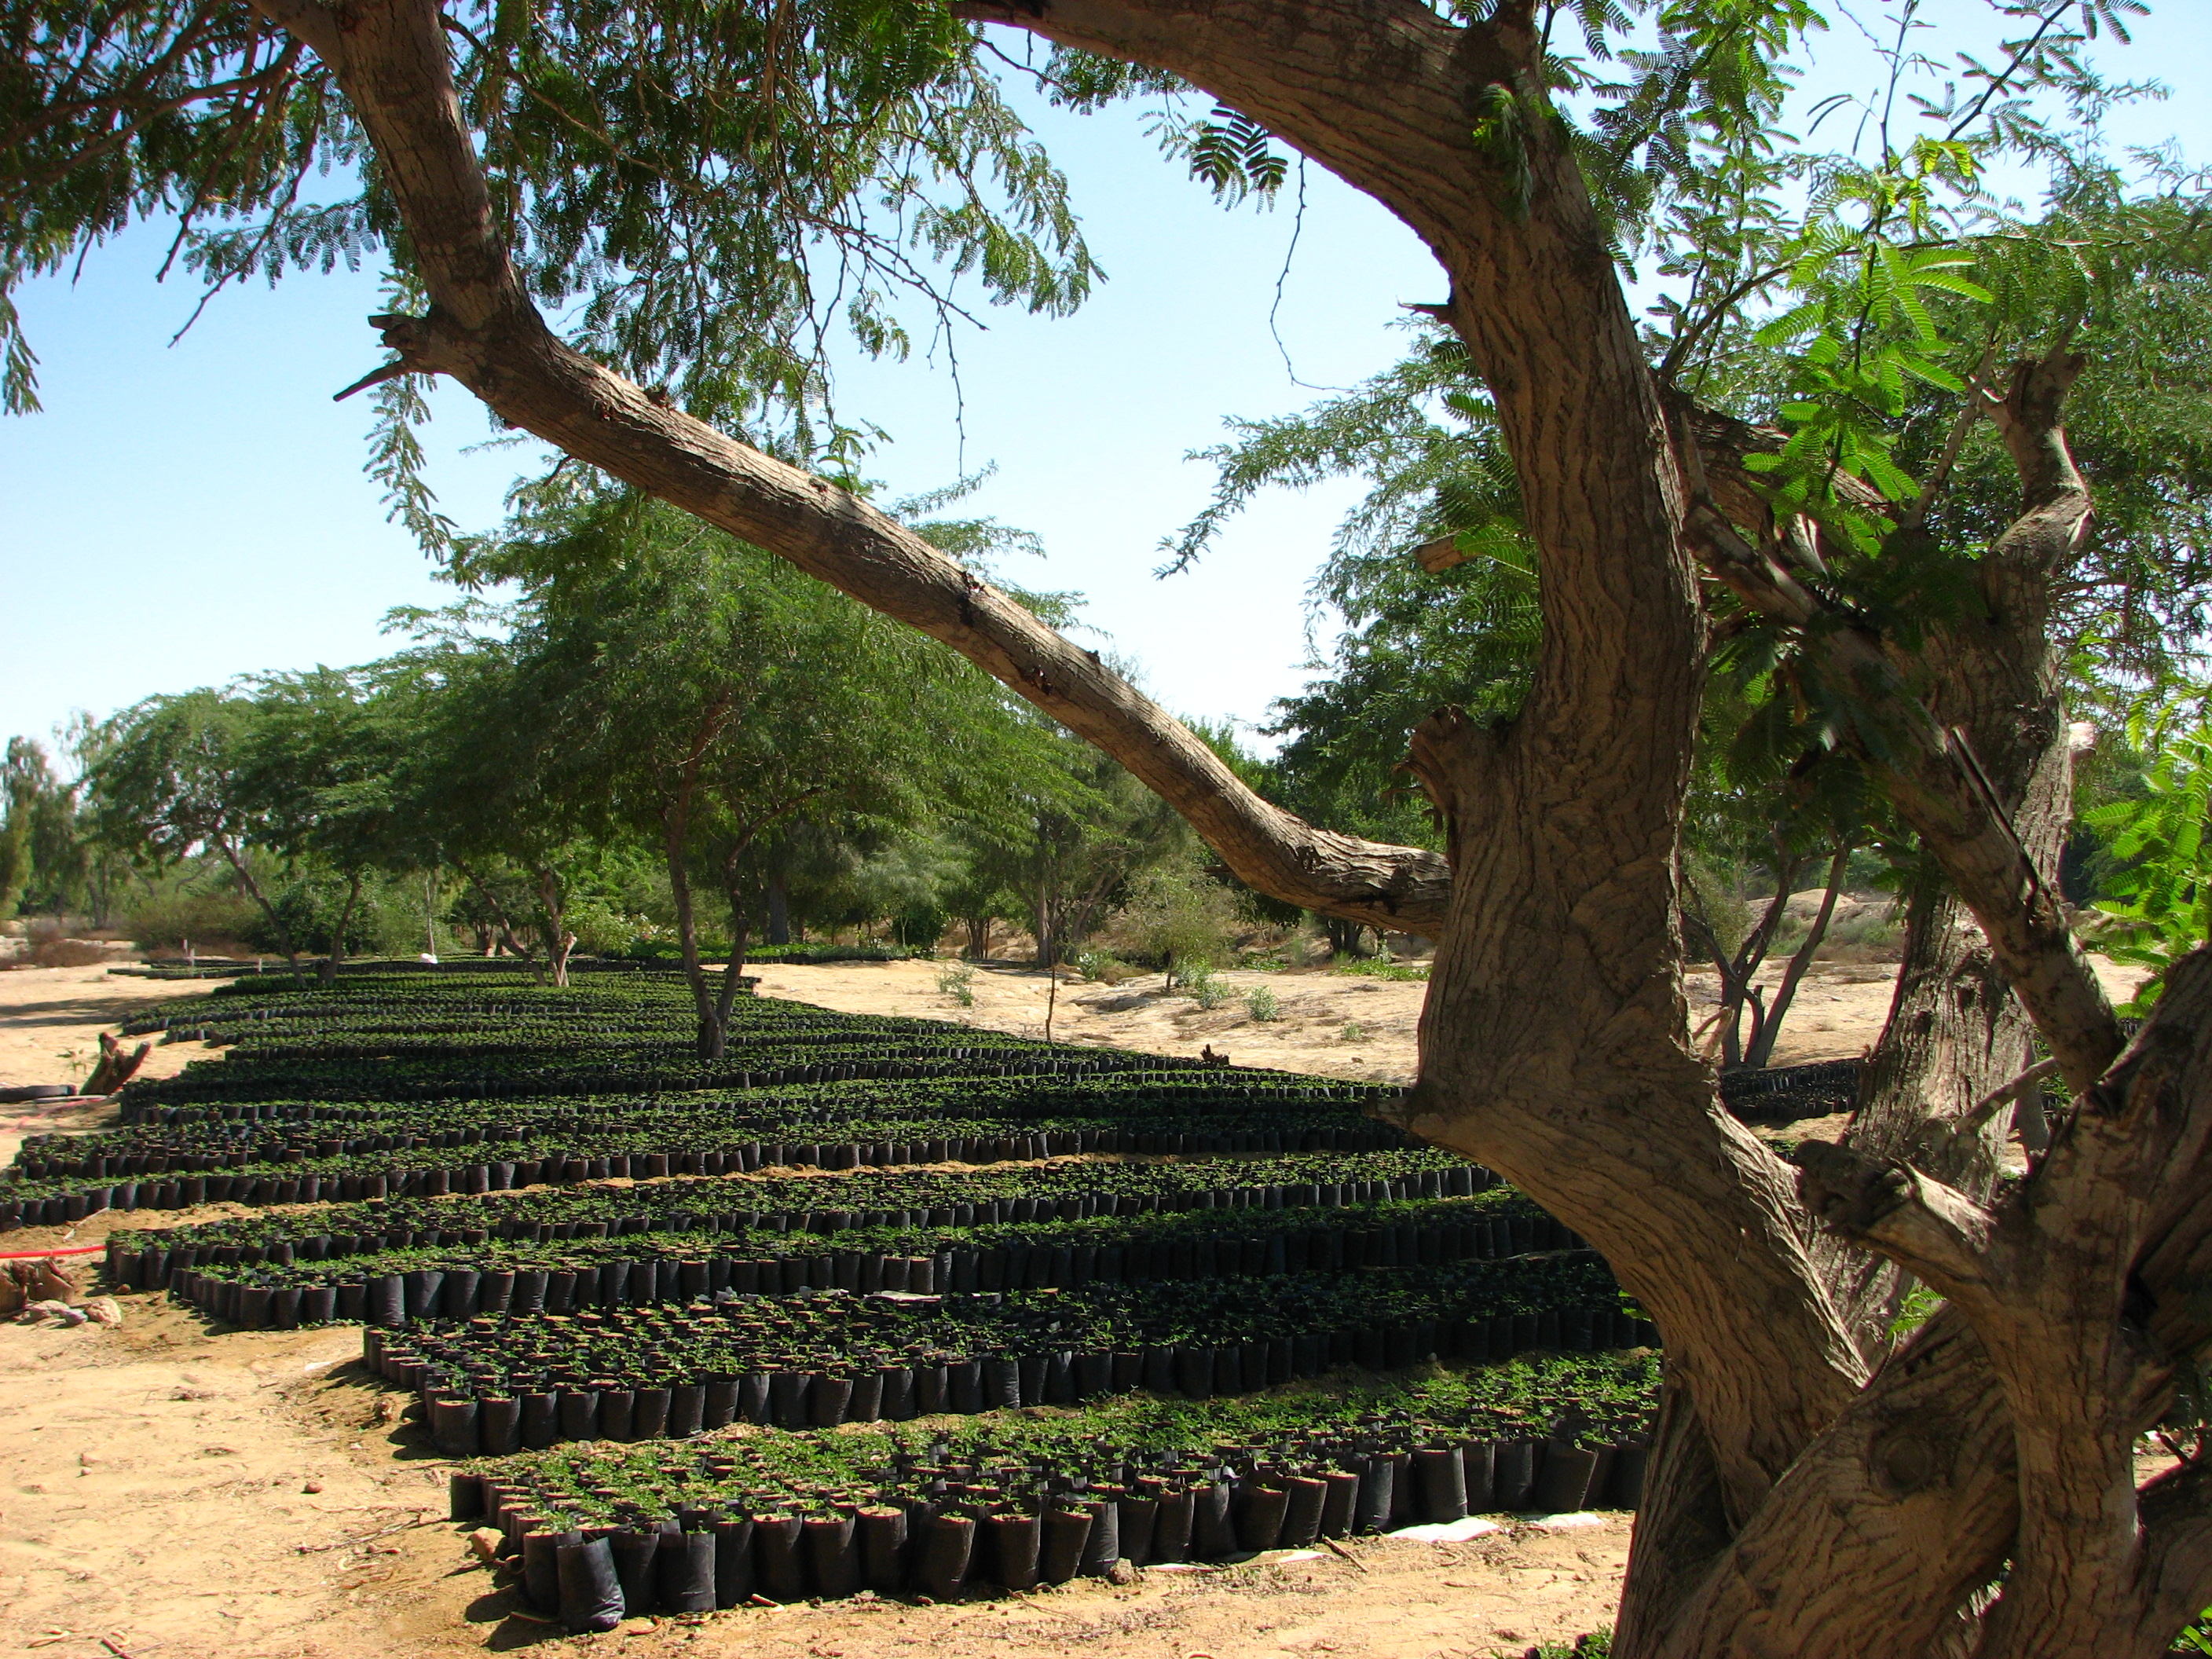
484 785
1060 846
181 775
327 752
678 168
708 695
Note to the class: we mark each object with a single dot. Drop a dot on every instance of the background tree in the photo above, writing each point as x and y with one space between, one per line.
711 696
181 775
486 787
1062 852
42 858
327 750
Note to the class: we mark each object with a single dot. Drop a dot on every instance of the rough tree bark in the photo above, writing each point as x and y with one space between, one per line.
1797 1505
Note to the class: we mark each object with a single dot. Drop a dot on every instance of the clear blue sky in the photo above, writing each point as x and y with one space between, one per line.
179 515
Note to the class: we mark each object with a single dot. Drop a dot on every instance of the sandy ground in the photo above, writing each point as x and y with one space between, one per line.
1332 1024
1337 1024
187 1496
51 1020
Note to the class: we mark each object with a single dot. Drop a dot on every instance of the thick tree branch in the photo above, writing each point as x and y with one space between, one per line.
305 19
1929 771
2030 417
1925 1227
2061 1316
2176 1510
1927 1447
483 331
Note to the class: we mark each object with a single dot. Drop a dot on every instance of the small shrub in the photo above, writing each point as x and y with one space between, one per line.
920 926
1869 936
1597 1644
957 980
167 920
1354 1031
1200 982
1105 969
1263 1005
1179 917
67 953
602 930
1265 962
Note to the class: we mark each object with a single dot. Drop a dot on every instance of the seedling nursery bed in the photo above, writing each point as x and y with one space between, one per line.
869 1304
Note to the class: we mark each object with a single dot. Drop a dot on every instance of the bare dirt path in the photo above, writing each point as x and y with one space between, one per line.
51 1020
158 1491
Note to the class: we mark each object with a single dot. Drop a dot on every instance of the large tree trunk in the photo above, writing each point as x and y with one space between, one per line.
1798 1505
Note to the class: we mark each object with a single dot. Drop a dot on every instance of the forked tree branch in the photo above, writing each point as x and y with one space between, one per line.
1928 1229
1929 774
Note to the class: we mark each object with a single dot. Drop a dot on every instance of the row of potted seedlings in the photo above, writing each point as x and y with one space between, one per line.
913 1197
596 1533
289 1151
403 1003
480 1277
306 1068
503 1168
417 1167
1272 1099
826 1359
